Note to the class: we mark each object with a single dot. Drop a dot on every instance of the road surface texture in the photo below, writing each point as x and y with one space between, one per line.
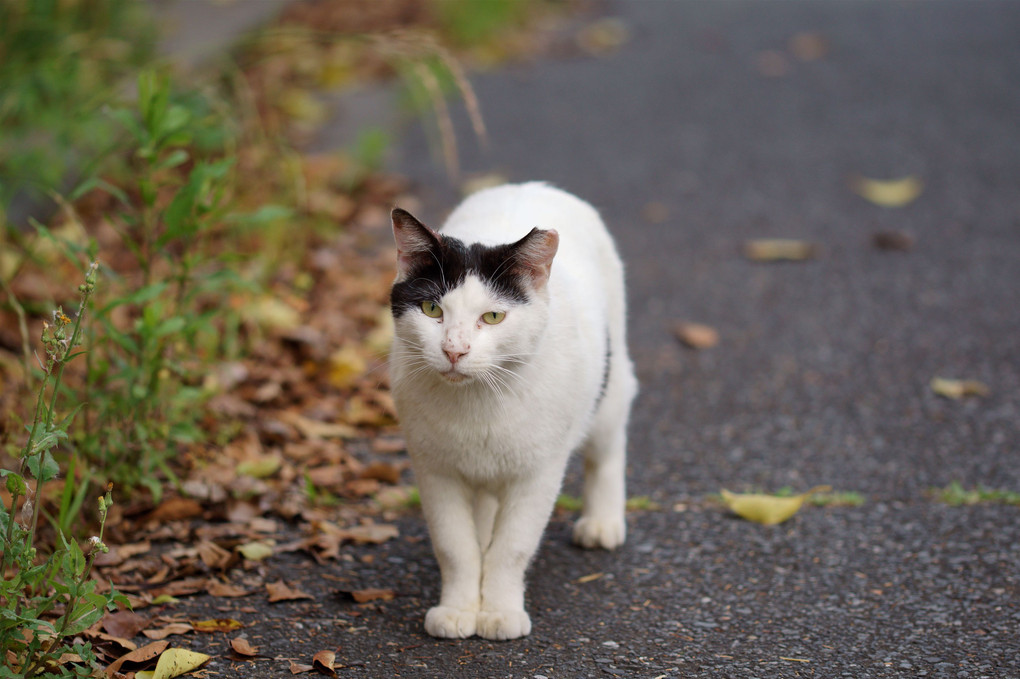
705 130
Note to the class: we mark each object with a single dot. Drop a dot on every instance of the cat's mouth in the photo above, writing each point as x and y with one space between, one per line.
453 376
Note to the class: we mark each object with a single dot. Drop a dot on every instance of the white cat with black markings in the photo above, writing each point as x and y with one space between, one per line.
510 353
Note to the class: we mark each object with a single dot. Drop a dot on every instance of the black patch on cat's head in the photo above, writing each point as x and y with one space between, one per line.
430 264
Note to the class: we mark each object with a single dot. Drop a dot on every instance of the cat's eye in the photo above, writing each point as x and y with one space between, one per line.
432 310
493 317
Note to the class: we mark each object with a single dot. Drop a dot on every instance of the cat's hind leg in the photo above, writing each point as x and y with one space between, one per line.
603 518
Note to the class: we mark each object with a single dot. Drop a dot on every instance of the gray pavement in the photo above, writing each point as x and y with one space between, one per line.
821 375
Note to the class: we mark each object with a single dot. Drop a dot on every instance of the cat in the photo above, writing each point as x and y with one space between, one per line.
509 353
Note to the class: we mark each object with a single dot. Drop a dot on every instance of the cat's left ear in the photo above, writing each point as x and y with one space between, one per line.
415 241
535 254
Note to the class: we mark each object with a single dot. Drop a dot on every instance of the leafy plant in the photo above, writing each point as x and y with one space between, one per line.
60 62
33 635
143 387
955 495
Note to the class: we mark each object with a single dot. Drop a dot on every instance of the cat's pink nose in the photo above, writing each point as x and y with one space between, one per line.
454 355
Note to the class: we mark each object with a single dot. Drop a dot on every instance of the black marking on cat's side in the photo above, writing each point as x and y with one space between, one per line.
445 265
605 371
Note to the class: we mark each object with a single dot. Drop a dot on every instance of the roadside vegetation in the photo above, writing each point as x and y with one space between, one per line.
193 310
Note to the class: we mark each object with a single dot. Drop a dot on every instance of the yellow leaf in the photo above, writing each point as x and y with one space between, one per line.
217 625
255 551
767 509
165 599
260 467
777 249
273 314
346 365
177 661
890 193
957 389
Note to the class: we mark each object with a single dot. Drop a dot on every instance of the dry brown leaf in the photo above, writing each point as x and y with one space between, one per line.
223 589
373 533
957 389
298 668
808 46
892 240
121 553
214 556
280 591
140 655
779 249
323 661
383 471
169 630
696 335
125 624
371 594
241 646
314 429
176 509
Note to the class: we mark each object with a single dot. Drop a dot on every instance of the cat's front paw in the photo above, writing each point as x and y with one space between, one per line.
450 623
592 533
503 625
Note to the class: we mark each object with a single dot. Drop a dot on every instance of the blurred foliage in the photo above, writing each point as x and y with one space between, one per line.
61 61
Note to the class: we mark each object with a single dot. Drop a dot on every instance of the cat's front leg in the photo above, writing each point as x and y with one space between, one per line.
524 510
448 507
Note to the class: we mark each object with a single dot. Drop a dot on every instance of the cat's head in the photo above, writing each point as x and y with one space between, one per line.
468 312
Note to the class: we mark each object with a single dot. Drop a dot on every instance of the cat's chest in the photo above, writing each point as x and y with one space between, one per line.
485 439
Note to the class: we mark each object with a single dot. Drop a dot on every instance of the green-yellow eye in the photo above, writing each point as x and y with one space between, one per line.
493 317
432 310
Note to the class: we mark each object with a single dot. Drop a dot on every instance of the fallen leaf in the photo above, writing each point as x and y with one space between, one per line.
214 556
177 661
256 551
217 625
260 467
772 63
767 509
590 577
241 646
346 365
271 313
365 595
124 624
141 655
808 46
779 249
696 335
892 240
298 668
373 533
223 589
957 389
168 630
888 193
382 471
323 661
176 509
279 591
315 429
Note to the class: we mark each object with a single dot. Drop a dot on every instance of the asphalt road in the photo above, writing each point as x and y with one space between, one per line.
823 368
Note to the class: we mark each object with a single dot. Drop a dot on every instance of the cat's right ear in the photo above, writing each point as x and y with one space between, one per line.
415 241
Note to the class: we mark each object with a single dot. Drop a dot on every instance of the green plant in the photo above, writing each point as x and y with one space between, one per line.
33 590
955 495
157 329
61 61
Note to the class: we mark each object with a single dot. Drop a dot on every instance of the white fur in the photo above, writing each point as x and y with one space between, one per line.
489 439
